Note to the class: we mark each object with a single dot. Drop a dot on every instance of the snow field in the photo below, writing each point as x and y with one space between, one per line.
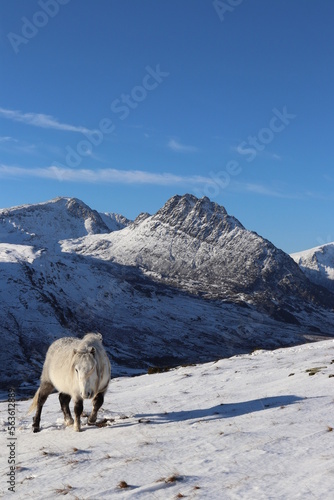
256 426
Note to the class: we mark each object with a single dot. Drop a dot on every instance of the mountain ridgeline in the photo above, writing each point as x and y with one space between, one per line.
187 284
194 245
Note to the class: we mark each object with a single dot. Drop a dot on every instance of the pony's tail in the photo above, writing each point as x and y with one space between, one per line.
34 402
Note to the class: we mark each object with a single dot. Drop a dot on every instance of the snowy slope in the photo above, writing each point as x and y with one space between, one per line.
318 264
256 426
18 253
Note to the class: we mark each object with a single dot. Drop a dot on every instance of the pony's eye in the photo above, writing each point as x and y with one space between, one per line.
76 370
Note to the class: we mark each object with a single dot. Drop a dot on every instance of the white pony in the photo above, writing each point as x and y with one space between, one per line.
78 369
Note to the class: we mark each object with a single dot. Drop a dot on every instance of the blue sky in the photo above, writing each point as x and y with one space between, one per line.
125 103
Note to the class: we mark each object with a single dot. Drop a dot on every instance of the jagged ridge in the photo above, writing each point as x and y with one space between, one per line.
199 218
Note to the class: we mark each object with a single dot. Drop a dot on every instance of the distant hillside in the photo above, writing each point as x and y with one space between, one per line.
318 264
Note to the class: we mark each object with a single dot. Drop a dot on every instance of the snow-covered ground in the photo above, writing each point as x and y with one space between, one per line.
11 253
257 426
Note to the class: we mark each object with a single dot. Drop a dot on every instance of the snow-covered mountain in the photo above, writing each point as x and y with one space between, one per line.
188 284
48 222
194 245
256 426
318 264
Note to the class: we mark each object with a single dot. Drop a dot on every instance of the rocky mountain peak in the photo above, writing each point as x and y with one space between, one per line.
198 217
92 219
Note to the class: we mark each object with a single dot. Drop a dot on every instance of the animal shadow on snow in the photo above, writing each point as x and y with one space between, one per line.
224 410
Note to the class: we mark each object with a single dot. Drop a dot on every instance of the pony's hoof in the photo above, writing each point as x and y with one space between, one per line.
91 422
77 428
36 429
69 422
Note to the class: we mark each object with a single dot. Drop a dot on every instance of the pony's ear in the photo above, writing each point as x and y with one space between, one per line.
92 350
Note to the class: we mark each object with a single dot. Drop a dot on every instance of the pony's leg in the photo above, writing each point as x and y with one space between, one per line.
45 390
64 400
97 403
78 409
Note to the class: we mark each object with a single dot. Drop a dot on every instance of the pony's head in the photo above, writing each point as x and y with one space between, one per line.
84 368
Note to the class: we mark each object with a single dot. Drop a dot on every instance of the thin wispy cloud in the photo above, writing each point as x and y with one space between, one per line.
273 192
41 120
181 148
264 190
14 146
108 175
7 138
